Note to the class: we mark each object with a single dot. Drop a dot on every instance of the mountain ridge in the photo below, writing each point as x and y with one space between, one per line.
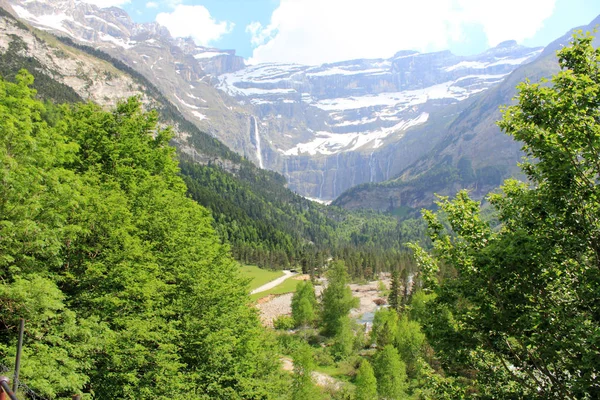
488 155
293 124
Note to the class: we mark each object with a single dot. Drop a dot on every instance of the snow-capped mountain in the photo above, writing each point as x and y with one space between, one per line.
361 103
333 126
326 128
178 67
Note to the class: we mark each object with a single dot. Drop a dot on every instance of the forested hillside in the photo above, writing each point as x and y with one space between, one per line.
126 288
504 312
273 227
264 222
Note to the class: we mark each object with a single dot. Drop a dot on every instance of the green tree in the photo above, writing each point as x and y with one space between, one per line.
409 341
343 343
523 301
124 283
390 372
337 300
418 305
366 383
303 387
395 296
304 304
385 327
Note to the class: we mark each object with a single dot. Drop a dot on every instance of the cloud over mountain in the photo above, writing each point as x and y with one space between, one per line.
317 31
194 21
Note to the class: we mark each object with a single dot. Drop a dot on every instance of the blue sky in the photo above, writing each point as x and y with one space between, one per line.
316 31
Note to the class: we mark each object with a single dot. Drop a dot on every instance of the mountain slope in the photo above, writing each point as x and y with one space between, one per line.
473 153
176 66
264 222
333 126
325 128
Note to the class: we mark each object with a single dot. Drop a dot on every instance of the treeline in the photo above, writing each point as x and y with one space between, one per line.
444 175
126 289
269 225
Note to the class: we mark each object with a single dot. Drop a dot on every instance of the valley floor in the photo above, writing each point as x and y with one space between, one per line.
273 306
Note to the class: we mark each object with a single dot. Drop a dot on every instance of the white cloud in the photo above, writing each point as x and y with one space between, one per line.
194 21
318 31
152 4
172 3
107 3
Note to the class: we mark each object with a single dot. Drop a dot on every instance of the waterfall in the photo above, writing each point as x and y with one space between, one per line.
372 167
337 167
387 172
257 143
322 183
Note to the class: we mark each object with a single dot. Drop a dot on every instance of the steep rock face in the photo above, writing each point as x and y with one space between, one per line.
90 78
326 128
69 74
334 126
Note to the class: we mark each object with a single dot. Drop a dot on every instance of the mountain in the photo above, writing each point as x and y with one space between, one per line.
333 126
325 128
176 66
264 222
473 153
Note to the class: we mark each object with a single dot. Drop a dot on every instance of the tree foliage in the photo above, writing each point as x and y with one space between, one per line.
126 289
385 324
337 299
519 315
343 343
303 387
304 304
366 383
391 374
395 295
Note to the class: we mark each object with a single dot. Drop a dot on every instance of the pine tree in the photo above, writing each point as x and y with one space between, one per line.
409 341
395 296
384 328
344 339
337 300
304 304
303 388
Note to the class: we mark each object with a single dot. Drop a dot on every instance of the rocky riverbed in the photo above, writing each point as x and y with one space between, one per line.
271 307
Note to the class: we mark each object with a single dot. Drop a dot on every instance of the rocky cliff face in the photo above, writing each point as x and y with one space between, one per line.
70 74
334 126
326 128
92 79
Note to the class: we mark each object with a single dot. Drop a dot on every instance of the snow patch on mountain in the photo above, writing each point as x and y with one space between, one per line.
47 21
331 143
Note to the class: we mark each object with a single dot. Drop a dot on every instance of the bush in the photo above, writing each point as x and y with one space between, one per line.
284 323
323 358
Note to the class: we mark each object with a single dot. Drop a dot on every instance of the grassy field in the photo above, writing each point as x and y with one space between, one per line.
288 286
259 276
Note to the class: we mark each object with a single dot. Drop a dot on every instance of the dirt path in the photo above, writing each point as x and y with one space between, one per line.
273 283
